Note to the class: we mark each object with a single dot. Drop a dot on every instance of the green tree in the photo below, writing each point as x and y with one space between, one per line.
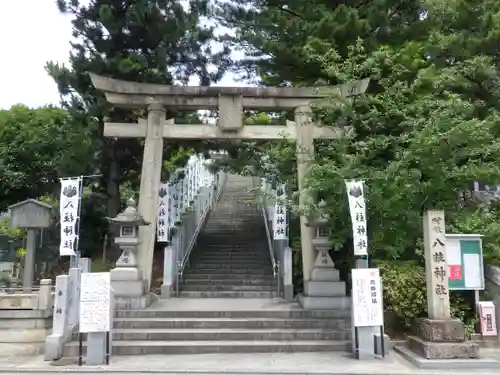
273 34
37 147
156 41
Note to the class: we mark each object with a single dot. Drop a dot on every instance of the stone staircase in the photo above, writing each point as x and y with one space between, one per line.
231 258
211 325
232 266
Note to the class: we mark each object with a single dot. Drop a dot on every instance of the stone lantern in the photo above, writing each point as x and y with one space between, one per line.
321 242
127 281
324 290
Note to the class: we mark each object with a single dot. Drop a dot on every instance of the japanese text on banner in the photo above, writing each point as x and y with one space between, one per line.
279 220
357 209
162 223
69 211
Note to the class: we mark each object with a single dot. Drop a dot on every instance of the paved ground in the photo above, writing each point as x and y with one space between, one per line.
298 363
335 363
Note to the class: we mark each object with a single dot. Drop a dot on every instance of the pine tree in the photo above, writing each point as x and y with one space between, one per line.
156 41
277 36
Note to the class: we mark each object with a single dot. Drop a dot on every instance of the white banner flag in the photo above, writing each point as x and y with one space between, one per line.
162 221
279 219
357 208
69 210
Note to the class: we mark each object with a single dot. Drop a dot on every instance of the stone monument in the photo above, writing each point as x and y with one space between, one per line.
439 336
130 289
324 290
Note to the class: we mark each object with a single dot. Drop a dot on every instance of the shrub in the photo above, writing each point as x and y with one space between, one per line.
404 294
405 297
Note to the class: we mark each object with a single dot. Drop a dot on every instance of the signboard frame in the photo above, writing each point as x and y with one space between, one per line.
96 298
365 283
470 246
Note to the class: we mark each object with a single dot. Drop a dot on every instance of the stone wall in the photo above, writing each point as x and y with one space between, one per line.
26 320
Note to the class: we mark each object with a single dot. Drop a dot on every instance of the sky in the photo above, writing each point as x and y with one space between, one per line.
33 32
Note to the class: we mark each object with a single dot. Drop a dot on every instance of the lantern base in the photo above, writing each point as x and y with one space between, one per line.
324 291
125 274
129 288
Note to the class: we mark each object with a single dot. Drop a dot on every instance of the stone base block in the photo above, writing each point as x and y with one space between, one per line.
134 303
125 274
443 350
167 291
288 293
448 330
54 347
324 288
378 344
447 364
324 303
128 288
325 274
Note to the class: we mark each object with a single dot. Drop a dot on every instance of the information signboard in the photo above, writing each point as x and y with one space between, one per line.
367 298
95 302
464 255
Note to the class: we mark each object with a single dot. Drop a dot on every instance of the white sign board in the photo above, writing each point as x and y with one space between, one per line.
95 302
367 298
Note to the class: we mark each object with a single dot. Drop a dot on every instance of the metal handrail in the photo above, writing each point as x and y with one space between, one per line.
182 264
197 231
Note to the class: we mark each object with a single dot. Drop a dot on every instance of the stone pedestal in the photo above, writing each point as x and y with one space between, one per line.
129 288
324 290
442 339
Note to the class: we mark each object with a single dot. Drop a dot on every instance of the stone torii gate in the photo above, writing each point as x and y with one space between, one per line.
230 102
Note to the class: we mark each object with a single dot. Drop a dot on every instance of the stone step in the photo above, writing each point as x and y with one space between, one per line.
227 288
210 255
207 347
231 265
333 318
208 334
232 239
227 294
228 281
235 277
234 258
252 272
229 246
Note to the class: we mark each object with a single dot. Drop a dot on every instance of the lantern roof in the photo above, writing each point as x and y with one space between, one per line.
130 216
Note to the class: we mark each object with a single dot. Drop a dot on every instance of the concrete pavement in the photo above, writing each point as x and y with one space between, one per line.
247 364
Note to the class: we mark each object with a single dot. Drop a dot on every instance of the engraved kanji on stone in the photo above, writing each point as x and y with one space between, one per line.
438 242
438 257
440 290
440 273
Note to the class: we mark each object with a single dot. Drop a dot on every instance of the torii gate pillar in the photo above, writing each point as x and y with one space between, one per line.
150 183
305 151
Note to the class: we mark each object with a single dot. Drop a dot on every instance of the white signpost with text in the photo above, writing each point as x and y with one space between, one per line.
367 306
95 317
